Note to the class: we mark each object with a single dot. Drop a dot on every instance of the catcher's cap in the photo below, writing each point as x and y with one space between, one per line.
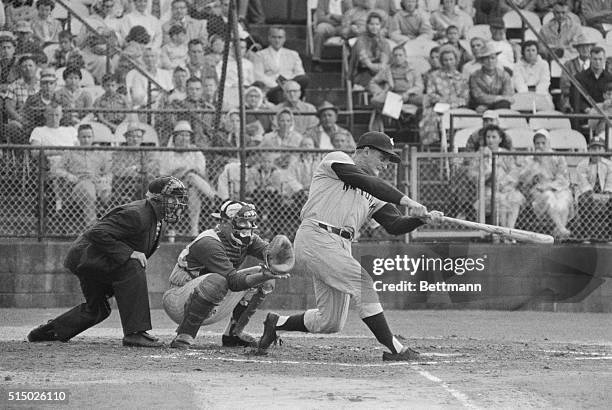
241 214
379 141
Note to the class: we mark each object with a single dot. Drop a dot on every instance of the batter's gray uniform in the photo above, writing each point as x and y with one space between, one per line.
337 276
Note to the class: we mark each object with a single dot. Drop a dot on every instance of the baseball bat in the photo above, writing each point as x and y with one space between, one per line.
518 234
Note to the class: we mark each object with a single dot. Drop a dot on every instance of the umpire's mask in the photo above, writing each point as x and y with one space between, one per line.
171 195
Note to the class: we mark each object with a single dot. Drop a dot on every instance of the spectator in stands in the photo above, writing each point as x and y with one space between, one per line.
476 45
174 53
543 7
214 51
137 84
111 100
293 103
531 73
477 139
94 45
399 77
200 65
34 107
593 80
189 167
66 47
560 32
303 169
546 181
85 177
178 92
215 12
452 38
596 13
52 134
27 43
193 28
448 15
594 193
282 178
489 10
508 198
355 20
210 93
370 53
446 85
232 85
598 125
276 64
251 11
139 16
254 99
285 135
19 10
323 133
136 41
434 65
9 69
71 96
45 27
75 59
201 123
18 92
228 183
500 43
231 123
490 86
132 169
328 20
410 23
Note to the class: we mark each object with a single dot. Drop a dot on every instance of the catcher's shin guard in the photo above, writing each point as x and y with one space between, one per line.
251 308
197 309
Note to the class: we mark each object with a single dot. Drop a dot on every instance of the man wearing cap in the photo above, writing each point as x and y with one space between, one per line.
490 87
323 133
594 192
576 65
560 32
477 139
34 107
345 193
27 42
110 259
292 101
500 43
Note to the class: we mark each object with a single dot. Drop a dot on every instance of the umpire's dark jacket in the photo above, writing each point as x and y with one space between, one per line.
109 243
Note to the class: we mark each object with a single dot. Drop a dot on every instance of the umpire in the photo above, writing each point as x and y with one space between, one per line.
110 260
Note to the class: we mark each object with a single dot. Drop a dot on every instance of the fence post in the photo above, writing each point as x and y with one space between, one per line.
41 195
493 188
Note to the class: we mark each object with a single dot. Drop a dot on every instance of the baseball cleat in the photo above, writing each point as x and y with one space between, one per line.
43 333
182 341
406 355
269 335
244 340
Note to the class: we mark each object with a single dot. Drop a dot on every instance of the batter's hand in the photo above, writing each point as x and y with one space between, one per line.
434 216
140 257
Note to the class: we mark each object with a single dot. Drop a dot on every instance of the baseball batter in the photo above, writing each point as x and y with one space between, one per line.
344 194
207 288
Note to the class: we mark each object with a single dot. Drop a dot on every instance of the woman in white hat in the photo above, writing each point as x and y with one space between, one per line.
189 167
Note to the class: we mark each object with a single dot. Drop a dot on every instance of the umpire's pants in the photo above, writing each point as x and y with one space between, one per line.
128 284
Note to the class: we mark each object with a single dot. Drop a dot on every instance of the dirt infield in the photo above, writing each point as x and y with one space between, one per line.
473 359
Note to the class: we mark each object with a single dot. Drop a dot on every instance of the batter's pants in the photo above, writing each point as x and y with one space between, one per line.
337 277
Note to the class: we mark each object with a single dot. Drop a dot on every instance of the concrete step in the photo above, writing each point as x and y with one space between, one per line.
325 80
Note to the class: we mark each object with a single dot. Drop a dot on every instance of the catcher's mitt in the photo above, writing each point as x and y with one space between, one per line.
279 256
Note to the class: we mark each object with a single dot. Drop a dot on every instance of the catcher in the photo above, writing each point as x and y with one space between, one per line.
206 287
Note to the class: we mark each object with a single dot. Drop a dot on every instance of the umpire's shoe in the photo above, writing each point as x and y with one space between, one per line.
141 339
269 334
43 333
182 341
244 340
406 355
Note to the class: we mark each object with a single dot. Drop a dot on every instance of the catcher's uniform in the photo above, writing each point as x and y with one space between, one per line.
323 247
206 254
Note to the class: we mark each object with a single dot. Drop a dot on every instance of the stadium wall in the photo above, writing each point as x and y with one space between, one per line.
569 278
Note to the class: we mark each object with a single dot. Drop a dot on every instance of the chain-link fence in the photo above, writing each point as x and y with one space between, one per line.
567 195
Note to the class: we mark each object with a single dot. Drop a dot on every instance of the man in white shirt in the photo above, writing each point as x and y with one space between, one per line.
275 64
501 44
51 134
230 95
141 17
194 28
137 84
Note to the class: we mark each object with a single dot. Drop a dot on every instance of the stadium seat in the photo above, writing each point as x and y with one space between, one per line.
513 20
150 135
479 30
556 120
522 138
461 137
529 35
419 48
511 122
609 37
526 102
567 140
593 34
462 122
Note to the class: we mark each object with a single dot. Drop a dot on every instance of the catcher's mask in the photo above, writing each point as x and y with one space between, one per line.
239 218
171 194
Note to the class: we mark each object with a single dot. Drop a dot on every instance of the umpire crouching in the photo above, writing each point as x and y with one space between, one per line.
110 259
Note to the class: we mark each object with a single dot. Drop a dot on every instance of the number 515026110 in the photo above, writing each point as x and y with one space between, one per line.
38 395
